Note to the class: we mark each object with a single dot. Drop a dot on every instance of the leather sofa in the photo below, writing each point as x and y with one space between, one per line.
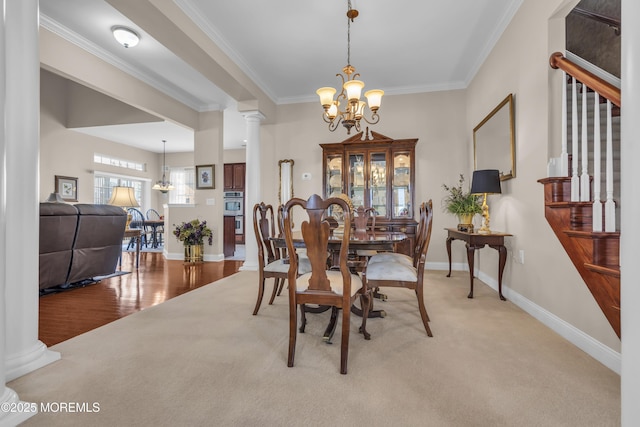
78 242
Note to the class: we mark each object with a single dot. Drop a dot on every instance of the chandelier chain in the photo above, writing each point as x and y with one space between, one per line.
349 34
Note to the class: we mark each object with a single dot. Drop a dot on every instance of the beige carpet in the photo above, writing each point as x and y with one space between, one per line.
202 359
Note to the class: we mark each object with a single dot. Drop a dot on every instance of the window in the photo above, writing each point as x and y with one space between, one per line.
121 163
183 181
103 183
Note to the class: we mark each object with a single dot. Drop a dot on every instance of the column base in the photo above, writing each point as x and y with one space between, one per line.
14 418
35 358
249 266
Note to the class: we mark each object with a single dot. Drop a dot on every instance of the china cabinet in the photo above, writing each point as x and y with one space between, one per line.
378 172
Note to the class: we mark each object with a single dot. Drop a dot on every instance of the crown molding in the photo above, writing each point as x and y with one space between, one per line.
163 86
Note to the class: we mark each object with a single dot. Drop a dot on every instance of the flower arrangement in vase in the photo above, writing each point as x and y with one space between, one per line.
462 203
192 235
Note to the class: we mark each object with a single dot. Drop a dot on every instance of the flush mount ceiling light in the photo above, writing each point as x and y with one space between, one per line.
350 93
125 36
163 185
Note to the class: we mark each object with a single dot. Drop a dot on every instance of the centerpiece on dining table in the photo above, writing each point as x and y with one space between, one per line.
192 235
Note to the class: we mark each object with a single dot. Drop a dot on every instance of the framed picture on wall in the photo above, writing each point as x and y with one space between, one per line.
205 178
67 187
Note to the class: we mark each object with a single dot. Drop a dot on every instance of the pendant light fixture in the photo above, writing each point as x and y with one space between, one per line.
349 94
163 185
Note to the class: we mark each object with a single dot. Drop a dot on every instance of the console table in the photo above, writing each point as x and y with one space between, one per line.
475 241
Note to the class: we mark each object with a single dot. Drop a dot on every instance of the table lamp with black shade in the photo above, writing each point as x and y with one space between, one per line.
125 198
485 181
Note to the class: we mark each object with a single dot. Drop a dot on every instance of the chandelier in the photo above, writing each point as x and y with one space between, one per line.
163 185
350 94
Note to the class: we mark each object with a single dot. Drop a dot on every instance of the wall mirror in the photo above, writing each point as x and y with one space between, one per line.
285 193
494 140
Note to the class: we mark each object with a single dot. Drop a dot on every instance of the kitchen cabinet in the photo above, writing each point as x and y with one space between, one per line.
234 176
378 172
229 236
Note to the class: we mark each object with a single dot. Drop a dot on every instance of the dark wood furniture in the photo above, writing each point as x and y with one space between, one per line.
229 235
398 271
475 241
375 172
234 176
271 262
378 241
336 288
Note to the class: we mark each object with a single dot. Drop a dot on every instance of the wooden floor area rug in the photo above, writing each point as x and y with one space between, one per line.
202 359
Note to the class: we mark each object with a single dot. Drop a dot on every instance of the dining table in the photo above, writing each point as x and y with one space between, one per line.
381 241
154 224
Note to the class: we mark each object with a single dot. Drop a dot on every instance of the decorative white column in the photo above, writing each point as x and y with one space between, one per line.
252 189
23 351
630 176
10 9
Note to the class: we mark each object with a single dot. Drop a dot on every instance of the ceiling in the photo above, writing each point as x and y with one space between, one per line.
289 48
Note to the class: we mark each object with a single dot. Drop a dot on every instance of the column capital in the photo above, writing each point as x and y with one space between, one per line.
256 116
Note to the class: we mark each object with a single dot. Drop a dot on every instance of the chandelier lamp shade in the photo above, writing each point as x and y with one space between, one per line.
163 185
125 36
349 96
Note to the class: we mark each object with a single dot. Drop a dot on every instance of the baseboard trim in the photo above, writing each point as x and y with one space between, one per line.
594 348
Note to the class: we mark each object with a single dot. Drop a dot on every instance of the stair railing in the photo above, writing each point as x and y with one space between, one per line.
580 179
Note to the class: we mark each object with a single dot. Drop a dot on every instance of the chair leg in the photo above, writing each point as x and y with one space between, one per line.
260 294
344 348
293 323
423 310
276 282
281 286
303 318
365 303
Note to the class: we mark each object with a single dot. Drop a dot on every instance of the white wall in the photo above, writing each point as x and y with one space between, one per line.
69 153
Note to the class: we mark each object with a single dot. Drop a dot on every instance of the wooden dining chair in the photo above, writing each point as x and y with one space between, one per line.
336 288
272 262
397 272
364 221
417 244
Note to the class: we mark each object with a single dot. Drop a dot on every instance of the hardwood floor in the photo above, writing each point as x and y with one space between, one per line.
75 311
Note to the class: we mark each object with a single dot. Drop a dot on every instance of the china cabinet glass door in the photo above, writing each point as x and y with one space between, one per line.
333 175
356 184
378 182
402 203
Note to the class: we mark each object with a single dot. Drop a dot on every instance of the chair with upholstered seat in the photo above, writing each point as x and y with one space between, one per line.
336 288
364 221
402 271
271 262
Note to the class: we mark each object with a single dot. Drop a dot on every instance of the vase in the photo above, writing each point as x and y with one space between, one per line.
465 222
193 253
